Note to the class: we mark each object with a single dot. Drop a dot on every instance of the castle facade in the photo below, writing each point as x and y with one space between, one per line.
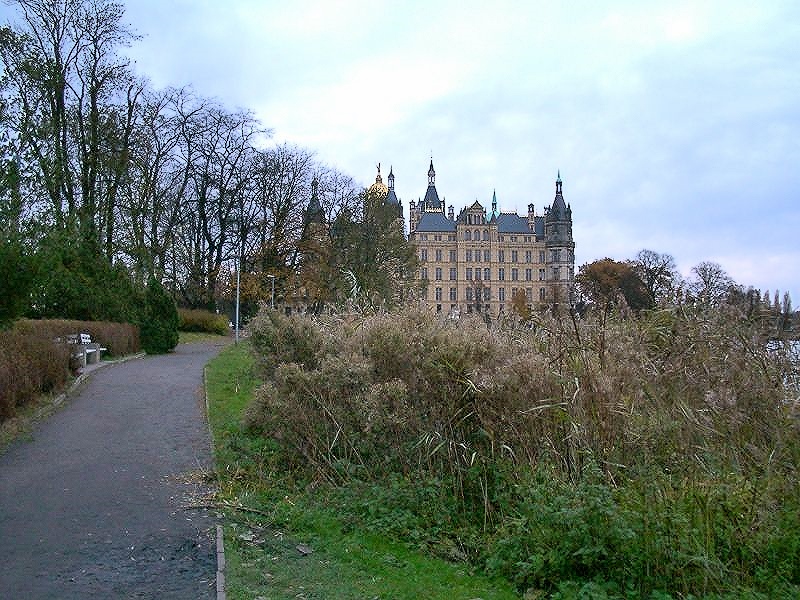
487 262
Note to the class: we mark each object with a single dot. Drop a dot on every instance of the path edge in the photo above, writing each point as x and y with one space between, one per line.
220 541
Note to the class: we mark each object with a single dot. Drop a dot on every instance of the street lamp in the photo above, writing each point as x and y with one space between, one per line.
238 268
272 293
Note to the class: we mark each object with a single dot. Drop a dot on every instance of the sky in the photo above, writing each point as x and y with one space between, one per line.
675 125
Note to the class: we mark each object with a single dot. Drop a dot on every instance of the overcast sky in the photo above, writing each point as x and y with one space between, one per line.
675 125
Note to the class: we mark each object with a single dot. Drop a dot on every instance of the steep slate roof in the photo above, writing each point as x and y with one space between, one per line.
435 221
538 224
432 198
512 223
391 197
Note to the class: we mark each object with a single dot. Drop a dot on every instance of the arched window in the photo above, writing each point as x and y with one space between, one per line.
477 235
467 235
486 234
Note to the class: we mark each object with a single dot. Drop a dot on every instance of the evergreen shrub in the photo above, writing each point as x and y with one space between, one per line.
159 327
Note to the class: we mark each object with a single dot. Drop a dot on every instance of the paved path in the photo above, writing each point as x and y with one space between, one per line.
91 506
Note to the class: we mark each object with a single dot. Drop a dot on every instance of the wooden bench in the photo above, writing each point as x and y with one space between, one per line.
85 351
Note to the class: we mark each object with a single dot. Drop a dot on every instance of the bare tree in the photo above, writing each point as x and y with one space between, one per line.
658 273
72 95
710 283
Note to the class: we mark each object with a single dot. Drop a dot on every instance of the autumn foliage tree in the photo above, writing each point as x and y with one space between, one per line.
606 283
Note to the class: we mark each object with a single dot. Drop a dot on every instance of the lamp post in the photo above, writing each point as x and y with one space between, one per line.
272 293
238 268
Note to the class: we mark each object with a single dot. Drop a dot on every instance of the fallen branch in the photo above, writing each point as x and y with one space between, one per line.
220 505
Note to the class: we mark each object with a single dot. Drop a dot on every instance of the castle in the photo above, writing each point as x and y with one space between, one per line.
483 262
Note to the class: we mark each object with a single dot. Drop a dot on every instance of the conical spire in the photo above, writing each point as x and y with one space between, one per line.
314 212
390 178
559 209
431 196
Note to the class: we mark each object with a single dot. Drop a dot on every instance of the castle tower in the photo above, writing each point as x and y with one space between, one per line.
560 250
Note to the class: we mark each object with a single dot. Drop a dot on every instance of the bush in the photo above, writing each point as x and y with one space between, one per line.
639 458
160 323
203 321
75 281
32 362
16 280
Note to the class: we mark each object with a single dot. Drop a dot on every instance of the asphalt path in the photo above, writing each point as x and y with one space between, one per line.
93 504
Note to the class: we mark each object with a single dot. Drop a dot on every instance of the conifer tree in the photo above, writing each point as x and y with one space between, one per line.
159 328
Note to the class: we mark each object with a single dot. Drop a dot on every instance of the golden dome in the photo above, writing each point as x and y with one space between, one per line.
378 190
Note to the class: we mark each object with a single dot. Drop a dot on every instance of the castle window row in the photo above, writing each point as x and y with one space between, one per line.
485 274
478 255
485 294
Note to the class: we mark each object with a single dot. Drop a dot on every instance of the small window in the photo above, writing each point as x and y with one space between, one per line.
469 273
438 294
486 234
486 256
501 295
438 274
486 274
452 273
501 274
542 294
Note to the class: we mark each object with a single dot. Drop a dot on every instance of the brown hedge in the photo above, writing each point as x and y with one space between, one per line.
33 362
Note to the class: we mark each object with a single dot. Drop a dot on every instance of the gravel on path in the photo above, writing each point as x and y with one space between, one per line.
93 506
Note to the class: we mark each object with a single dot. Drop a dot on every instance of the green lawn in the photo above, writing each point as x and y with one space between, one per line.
291 548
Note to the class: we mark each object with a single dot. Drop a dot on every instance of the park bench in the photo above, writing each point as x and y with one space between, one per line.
85 351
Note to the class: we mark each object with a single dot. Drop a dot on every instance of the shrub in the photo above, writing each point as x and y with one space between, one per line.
16 279
33 362
74 280
203 321
159 327
639 458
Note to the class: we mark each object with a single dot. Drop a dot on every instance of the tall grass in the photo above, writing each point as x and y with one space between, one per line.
657 453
